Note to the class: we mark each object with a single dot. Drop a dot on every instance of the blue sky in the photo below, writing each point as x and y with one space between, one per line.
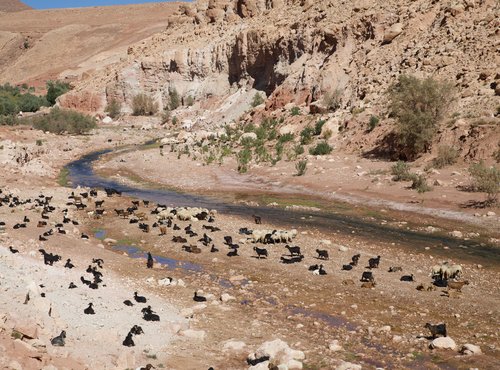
47 4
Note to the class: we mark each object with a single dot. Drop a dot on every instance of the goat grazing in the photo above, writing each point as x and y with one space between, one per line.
260 252
322 254
139 299
367 276
355 259
395 269
439 329
457 285
294 251
128 342
374 262
409 278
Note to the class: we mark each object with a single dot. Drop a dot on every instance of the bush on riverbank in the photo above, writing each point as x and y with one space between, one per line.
60 121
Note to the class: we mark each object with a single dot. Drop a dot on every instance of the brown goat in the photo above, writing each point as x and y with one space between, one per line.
457 285
369 284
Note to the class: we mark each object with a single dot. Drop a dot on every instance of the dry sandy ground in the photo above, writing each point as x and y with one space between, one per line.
380 327
92 37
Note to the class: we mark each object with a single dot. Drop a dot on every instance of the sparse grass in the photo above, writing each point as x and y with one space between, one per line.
419 183
446 156
295 111
306 135
401 171
321 148
318 127
62 179
257 100
301 167
374 120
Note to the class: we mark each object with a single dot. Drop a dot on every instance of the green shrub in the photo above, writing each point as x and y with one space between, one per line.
13 100
143 105
374 120
56 89
321 148
419 183
306 135
298 149
318 127
244 157
39 142
295 111
486 179
174 99
286 137
401 171
301 167
446 156
418 105
60 121
175 120
261 154
257 100
114 108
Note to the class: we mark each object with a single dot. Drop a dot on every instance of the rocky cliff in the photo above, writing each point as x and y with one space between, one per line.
299 52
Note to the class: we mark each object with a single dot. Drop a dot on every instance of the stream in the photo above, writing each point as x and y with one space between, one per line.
81 173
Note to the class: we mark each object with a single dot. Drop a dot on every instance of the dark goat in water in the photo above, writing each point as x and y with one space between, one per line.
150 262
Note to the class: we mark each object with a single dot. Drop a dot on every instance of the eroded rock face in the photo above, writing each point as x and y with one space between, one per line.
299 52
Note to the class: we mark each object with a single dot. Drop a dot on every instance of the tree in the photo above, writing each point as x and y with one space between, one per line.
60 121
418 105
114 108
175 100
56 89
487 180
143 105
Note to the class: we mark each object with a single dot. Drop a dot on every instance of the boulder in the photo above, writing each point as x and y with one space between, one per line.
335 346
226 297
248 136
443 343
107 120
194 334
279 352
391 33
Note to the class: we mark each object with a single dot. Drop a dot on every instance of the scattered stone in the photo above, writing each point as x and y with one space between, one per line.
335 346
456 234
443 343
226 297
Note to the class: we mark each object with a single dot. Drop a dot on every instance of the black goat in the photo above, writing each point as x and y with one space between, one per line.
294 251
374 262
89 310
257 219
347 267
439 329
199 298
68 264
290 260
355 259
128 342
72 286
49 258
322 254
408 278
59 341
228 240
260 252
233 252
367 276
128 303
213 249
139 299
14 251
150 262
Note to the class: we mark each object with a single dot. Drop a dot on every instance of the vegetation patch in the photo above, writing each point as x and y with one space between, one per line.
60 121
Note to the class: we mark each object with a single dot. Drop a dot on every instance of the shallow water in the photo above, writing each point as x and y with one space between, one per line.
81 173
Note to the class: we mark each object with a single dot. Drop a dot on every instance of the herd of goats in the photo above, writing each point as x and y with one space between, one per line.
444 275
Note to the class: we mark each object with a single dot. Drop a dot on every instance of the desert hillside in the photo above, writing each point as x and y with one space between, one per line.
37 45
13 6
302 53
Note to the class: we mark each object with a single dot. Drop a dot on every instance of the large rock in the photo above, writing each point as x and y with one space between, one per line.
392 32
348 366
279 352
443 343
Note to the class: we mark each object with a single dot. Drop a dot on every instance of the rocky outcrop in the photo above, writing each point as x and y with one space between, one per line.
301 52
